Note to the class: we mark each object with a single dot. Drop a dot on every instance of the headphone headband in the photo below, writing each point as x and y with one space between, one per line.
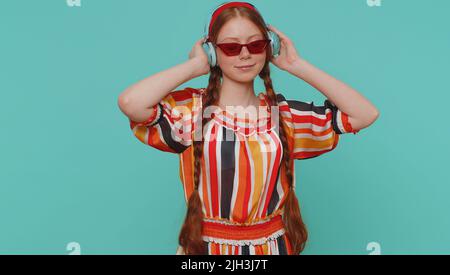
208 46
221 8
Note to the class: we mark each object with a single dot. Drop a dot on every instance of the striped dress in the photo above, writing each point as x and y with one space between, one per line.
242 179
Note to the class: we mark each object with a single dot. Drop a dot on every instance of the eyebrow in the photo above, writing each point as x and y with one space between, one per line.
235 38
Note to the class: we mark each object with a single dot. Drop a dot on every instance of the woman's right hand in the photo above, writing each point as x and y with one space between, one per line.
198 54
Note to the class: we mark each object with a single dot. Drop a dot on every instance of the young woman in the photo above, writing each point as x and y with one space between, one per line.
238 172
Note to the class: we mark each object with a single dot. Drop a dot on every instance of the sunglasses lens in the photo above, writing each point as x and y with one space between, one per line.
257 46
231 48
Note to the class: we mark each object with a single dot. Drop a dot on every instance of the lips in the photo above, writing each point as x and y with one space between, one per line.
245 66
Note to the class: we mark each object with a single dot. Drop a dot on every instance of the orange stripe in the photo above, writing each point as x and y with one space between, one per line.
205 188
266 248
284 181
186 179
314 133
304 154
242 182
255 152
288 244
269 156
259 250
312 143
154 139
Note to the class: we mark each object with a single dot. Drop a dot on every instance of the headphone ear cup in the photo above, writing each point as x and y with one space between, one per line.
275 43
208 47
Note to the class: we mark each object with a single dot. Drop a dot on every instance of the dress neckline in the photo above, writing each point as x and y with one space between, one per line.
246 126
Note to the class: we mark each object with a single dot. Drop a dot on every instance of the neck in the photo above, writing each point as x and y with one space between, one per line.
237 94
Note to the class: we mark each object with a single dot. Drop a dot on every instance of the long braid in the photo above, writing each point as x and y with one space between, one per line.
191 233
295 228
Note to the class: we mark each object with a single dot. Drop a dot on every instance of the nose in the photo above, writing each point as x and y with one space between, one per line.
244 52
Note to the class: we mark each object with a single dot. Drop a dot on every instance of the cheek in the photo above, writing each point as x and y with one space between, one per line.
226 61
261 59
227 65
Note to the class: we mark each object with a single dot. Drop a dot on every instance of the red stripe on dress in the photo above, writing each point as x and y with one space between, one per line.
212 143
248 183
168 115
182 95
216 249
347 125
259 250
312 119
273 177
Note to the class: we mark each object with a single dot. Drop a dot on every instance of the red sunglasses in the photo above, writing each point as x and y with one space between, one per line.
233 49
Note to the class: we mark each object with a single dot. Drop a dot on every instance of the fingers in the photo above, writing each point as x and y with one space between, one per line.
272 28
201 41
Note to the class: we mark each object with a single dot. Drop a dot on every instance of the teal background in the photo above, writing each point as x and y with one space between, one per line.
72 171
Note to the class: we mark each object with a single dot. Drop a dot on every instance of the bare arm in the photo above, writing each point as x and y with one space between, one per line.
136 101
361 111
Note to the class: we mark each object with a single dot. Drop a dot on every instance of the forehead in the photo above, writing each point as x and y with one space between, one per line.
238 29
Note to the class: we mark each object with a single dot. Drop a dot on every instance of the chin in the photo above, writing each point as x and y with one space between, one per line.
244 79
241 77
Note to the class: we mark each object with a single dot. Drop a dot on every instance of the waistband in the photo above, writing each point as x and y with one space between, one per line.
251 234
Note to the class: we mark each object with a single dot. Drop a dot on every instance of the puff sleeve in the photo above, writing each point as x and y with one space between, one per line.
313 129
170 128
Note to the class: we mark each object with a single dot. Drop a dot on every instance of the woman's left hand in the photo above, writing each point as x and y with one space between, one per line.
288 54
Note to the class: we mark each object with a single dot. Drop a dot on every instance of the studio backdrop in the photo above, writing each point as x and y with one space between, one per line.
75 180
